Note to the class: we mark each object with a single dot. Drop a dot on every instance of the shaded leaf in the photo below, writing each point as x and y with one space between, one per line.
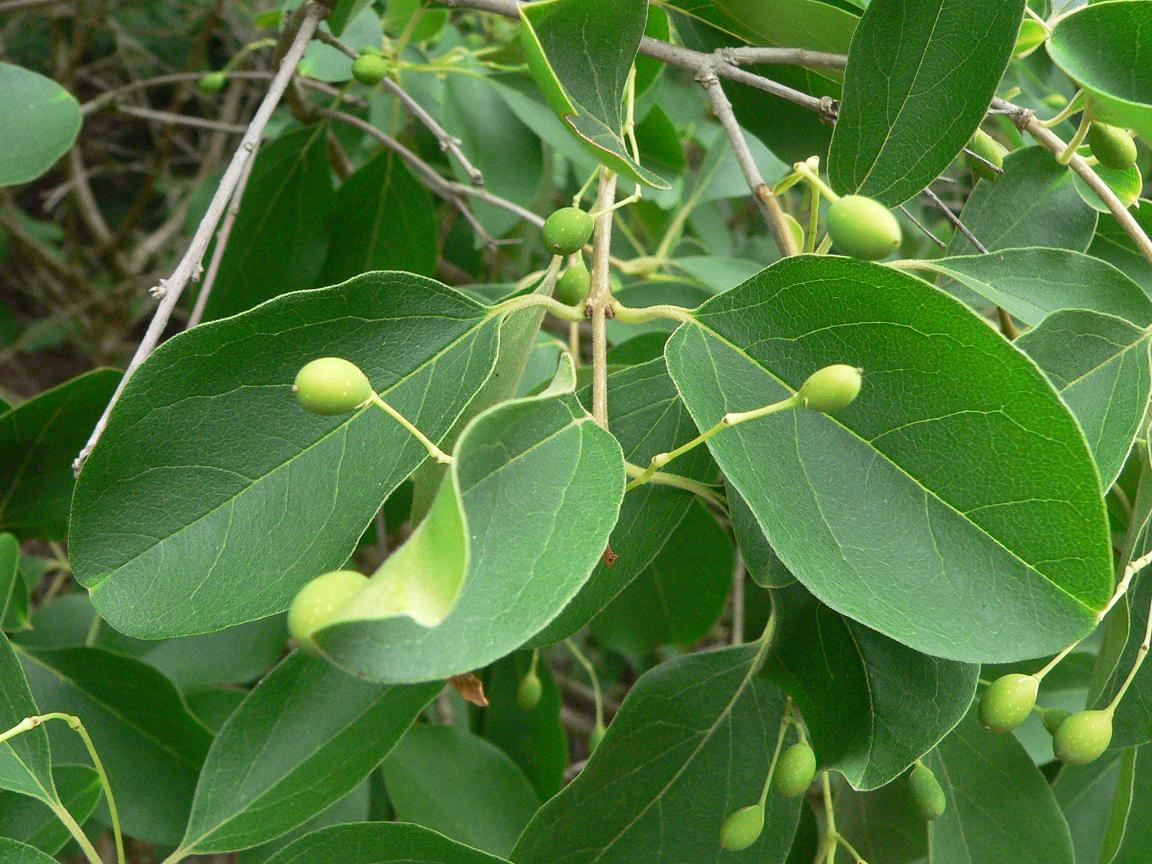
25 759
379 843
39 121
30 821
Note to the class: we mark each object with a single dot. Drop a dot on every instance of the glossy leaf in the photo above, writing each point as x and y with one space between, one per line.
1035 203
1000 807
690 744
379 843
38 441
280 235
919 79
1117 81
538 485
26 759
305 737
39 120
960 523
30 821
150 744
1102 368
260 473
563 40
871 705
454 782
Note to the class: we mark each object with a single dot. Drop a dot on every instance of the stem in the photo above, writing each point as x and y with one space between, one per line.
784 724
814 179
630 315
1074 104
1129 573
1065 155
530 301
429 445
813 219
831 836
661 478
69 822
593 677
1055 661
599 304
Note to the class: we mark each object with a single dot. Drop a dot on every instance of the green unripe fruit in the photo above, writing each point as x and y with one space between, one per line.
572 289
213 82
369 69
567 230
830 388
1055 100
320 600
1083 737
742 828
332 385
529 692
1112 146
594 739
983 144
1053 717
926 793
1008 701
863 228
795 771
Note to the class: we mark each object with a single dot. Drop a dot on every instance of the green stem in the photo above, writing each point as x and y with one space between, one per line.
813 219
1054 662
69 822
630 315
1075 104
662 478
1141 656
531 301
1066 155
814 180
429 445
776 753
830 833
593 677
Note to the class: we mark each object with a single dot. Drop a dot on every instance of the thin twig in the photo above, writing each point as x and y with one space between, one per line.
955 220
189 266
739 572
21 5
599 301
181 119
923 228
782 57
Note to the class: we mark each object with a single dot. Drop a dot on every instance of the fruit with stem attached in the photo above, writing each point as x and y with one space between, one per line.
332 385
596 736
567 230
572 289
529 692
1008 701
213 82
369 69
863 228
1112 146
831 388
984 145
926 792
795 771
742 828
1083 737
320 600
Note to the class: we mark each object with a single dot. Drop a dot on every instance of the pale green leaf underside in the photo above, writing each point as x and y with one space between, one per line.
15 852
39 120
1022 522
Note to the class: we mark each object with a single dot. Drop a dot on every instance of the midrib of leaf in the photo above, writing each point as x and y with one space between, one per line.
887 458
959 822
1112 358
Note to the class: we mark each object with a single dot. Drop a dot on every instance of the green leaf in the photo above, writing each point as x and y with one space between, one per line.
9 572
580 52
1035 203
328 63
918 82
357 806
383 220
884 824
522 518
1033 283
1127 183
280 235
1123 633
1117 80
30 821
1112 244
14 852
678 597
38 441
344 11
863 696
379 843
764 565
454 782
150 744
1089 794
962 522
261 496
1130 840
39 121
1000 807
1102 368
690 744
808 24
26 759
305 737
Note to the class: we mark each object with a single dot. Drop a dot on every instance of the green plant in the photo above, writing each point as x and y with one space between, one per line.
711 447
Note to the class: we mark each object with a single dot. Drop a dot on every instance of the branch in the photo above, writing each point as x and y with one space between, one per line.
599 304
181 119
171 288
782 57
21 5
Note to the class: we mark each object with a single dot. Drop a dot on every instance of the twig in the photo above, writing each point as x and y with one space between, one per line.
85 201
782 57
955 220
761 192
739 572
21 5
923 228
599 301
189 266
181 119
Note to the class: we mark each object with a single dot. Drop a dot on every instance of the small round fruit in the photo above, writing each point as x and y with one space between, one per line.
742 828
1083 737
1114 147
320 600
597 735
567 230
332 385
213 82
795 771
831 388
529 692
572 289
863 228
983 144
1008 701
1053 717
926 793
369 69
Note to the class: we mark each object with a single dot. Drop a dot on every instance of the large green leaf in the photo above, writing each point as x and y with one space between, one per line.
1102 367
690 744
519 523
1128 841
961 522
15 852
305 737
1123 633
1035 203
379 843
30 821
261 496
26 759
281 233
863 696
919 79
884 824
149 742
38 441
1107 49
39 120
9 572
454 782
1113 244
1000 807
1033 283
580 52
1089 795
